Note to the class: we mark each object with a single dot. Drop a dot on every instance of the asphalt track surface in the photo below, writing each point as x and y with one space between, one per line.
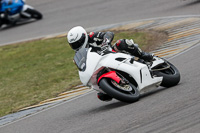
61 15
176 109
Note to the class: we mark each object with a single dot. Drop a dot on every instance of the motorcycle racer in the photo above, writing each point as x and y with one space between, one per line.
78 37
101 42
9 8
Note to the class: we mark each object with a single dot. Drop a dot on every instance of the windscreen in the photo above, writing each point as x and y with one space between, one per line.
80 58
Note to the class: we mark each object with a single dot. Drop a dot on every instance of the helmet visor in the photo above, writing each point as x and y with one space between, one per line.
76 45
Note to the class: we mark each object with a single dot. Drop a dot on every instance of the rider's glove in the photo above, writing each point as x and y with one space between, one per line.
105 44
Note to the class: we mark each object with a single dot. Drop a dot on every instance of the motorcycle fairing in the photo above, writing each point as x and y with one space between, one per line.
25 7
157 61
14 7
95 62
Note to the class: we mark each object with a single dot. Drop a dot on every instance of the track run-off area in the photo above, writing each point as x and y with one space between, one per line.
174 109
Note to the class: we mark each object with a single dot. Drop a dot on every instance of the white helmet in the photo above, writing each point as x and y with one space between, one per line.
77 37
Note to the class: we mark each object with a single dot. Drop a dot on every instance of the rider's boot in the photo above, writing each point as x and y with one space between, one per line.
104 97
146 56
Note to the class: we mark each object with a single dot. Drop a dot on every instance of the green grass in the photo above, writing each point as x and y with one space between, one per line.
34 71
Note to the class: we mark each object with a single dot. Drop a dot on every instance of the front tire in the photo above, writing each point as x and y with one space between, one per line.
124 96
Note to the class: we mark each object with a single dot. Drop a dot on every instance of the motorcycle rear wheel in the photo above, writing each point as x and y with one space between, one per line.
34 14
171 76
125 96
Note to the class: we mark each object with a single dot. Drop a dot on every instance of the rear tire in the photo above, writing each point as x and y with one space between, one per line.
124 96
1 23
171 76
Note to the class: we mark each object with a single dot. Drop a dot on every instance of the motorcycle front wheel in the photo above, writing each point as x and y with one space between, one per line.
112 88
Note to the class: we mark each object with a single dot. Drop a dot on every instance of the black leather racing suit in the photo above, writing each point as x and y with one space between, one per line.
96 39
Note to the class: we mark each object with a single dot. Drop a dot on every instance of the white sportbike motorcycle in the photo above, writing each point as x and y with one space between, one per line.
120 76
